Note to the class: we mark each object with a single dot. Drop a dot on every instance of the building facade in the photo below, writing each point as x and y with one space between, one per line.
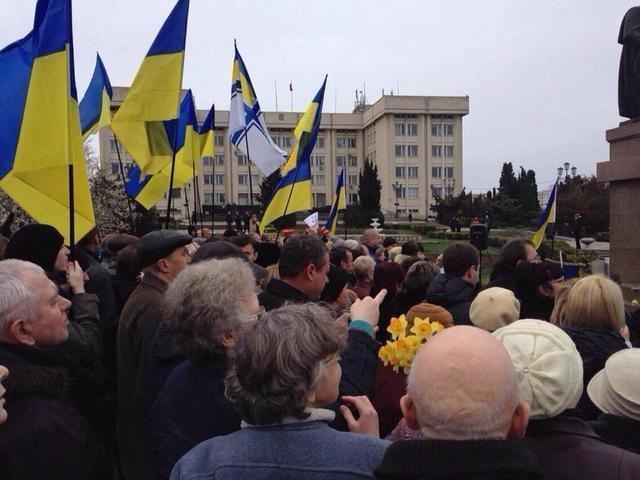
416 143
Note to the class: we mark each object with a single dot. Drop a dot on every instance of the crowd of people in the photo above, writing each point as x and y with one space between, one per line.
189 357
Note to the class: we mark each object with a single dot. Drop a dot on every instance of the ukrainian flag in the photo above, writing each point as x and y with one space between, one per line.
338 204
547 216
39 123
247 128
147 190
207 146
154 95
95 106
293 192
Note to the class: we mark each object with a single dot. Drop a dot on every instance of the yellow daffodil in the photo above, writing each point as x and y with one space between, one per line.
436 327
422 328
397 327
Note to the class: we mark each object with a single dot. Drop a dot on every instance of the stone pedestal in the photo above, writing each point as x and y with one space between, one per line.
622 172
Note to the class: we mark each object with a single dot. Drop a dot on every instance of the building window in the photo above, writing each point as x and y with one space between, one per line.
220 198
400 173
448 130
448 151
219 140
412 193
399 129
286 142
412 151
340 160
436 129
207 161
341 142
242 159
400 191
219 160
353 161
353 180
412 129
436 150
412 172
243 199
353 198
436 172
176 193
243 179
112 145
448 172
115 168
436 191
319 200
320 142
207 178
400 150
317 180
255 179
351 142
207 198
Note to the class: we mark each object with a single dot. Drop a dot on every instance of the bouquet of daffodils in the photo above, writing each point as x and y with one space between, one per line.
404 343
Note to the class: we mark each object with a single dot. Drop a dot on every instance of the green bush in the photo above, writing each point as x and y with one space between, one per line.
601 237
359 218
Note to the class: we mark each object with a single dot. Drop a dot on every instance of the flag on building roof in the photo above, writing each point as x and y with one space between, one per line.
339 203
293 192
95 106
547 216
247 128
153 98
207 145
40 125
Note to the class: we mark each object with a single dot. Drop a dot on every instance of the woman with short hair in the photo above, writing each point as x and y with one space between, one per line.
284 370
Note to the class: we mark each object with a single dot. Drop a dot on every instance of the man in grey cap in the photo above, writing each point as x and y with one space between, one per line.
161 255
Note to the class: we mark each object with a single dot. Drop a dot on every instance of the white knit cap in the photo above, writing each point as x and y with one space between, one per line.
616 388
494 308
547 363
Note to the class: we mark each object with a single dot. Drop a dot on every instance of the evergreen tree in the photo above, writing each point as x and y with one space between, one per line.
507 180
267 188
369 187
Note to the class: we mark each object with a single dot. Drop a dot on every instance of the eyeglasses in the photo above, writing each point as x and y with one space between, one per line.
256 316
334 358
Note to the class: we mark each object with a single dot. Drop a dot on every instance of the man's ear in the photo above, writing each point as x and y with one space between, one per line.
20 331
163 266
310 270
519 421
409 412
228 339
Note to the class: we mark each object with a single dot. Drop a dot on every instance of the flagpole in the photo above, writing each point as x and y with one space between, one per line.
346 202
213 187
186 204
173 168
124 184
286 206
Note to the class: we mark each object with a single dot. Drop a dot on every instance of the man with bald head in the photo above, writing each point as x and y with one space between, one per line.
462 394
371 239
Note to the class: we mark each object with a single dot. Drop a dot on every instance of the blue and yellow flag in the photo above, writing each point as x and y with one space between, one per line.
207 146
154 96
547 216
95 106
338 204
147 190
293 192
39 123
247 128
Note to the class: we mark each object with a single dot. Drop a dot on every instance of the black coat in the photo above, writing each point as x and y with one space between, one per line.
619 431
567 447
190 409
53 412
453 294
277 293
595 346
448 459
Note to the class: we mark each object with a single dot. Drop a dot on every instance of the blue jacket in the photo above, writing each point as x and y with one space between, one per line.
304 449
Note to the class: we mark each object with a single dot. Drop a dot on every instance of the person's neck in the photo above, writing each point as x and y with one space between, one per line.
164 276
295 282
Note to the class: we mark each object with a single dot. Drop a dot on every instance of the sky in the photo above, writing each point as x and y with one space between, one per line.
541 76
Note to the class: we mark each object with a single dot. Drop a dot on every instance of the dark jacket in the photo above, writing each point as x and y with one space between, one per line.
595 346
304 449
567 447
85 331
138 322
619 431
453 294
50 430
190 409
278 292
448 459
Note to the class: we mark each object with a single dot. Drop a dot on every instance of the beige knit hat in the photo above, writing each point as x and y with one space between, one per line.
547 363
494 308
616 388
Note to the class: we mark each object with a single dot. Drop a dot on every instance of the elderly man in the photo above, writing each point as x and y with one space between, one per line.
161 255
45 435
462 394
371 240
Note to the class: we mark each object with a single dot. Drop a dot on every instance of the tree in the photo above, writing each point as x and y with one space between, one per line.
584 195
507 180
110 204
267 188
369 187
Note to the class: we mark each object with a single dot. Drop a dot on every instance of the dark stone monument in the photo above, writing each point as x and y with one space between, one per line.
622 171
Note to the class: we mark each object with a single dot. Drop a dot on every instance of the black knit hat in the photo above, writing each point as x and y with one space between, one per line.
338 278
37 244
